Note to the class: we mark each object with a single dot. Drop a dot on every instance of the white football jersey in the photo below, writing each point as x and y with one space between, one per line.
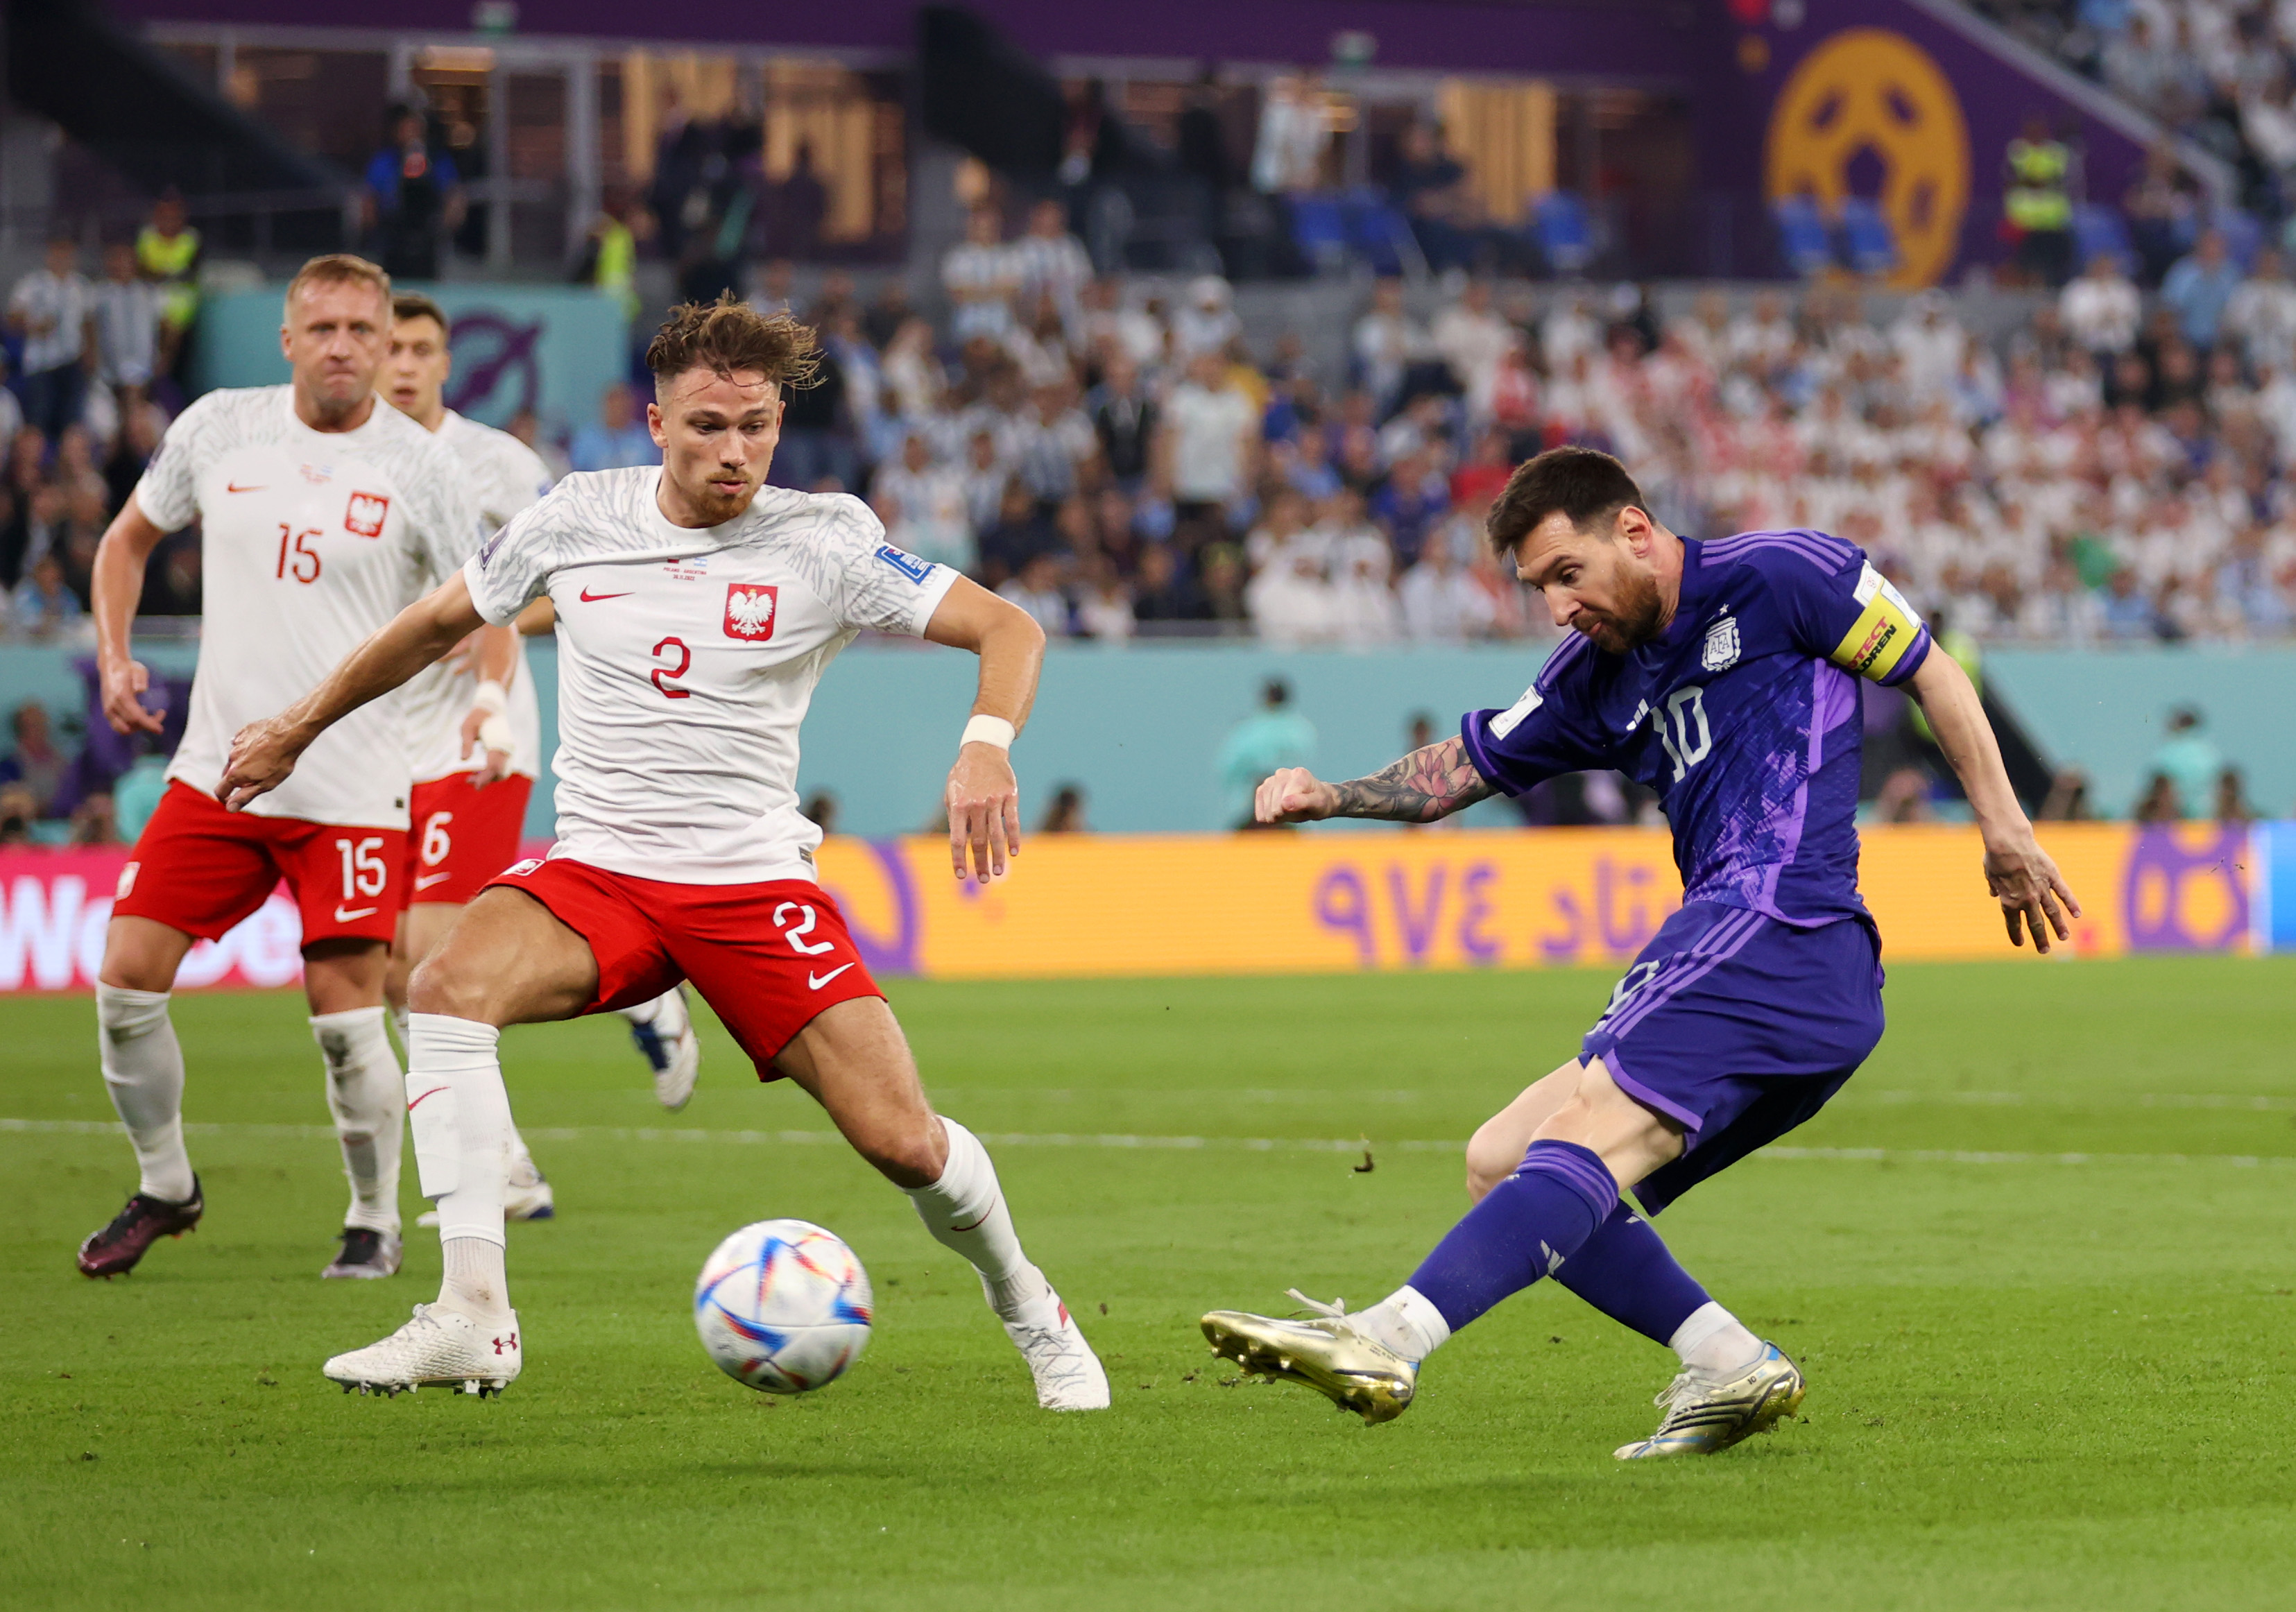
309 542
686 658
504 476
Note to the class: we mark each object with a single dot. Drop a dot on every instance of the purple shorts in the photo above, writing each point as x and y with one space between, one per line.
1738 1028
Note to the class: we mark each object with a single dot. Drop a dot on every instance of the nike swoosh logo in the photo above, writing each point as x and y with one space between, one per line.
233 486
344 916
419 1101
818 980
977 1224
590 598
428 879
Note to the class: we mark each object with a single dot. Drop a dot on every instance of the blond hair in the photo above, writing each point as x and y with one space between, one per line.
339 268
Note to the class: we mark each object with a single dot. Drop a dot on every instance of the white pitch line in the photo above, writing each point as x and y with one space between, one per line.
2069 1099
1786 1153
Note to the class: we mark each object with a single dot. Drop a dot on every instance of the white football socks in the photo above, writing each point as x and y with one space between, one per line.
459 1113
368 1102
475 1283
964 1210
398 1023
1407 1323
642 1013
144 1071
1715 1341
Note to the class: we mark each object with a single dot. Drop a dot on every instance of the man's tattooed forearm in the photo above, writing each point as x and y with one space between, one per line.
1423 786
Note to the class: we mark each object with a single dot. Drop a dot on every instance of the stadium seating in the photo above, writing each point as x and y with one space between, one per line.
1565 237
1804 241
1868 243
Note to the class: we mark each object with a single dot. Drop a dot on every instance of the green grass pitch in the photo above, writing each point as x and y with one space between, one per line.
2035 1382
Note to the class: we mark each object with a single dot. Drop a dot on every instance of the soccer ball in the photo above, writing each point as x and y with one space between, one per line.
782 1305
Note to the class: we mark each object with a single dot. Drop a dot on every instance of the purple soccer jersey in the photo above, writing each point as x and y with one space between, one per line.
1744 715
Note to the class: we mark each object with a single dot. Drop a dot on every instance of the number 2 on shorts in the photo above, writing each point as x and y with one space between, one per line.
796 936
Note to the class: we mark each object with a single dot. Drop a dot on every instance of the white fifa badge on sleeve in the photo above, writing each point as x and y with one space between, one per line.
1508 720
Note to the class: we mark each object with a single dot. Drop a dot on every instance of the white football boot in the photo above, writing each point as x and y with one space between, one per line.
525 1196
438 1345
665 1038
1069 1374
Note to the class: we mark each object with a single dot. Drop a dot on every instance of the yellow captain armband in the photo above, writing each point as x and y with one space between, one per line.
1885 630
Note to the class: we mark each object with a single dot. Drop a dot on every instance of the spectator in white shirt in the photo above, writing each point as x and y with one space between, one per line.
1105 612
985 474
52 309
1052 262
127 322
1207 321
1210 440
936 523
1931 342
1475 340
1364 609
1290 601
1288 153
2262 314
1112 320
1441 603
2101 309
980 275
1387 339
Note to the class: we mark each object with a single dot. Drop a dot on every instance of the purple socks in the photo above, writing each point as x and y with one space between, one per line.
1524 1229
1624 1271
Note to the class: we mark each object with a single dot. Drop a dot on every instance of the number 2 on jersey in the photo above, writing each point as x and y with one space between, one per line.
685 659
291 561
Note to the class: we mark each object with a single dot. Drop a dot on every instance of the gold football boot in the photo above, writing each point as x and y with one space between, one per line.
1329 1353
1705 1413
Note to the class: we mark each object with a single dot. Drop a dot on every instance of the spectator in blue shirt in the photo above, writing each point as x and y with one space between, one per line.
413 200
1414 500
618 440
2128 614
2199 287
43 605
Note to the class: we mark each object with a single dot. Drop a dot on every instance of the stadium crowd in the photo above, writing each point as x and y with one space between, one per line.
1121 459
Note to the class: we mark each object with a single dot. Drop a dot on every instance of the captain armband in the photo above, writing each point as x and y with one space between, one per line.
1886 627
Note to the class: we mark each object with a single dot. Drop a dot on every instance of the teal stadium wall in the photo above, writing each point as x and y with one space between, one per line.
1140 728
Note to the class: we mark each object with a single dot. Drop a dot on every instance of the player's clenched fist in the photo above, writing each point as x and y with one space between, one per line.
262 754
1293 795
984 810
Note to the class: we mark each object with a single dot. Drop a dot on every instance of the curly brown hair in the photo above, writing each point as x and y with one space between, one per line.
727 337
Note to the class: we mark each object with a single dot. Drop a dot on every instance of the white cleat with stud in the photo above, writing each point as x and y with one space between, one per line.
1069 1375
439 1348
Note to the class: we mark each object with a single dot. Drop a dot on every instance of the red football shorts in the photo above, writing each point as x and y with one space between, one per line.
768 957
200 868
460 836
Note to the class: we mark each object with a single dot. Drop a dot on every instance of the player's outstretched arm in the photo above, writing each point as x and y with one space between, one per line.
984 797
1423 786
118 578
2034 896
263 753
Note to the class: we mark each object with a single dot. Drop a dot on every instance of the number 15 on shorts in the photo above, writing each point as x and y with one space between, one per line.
364 871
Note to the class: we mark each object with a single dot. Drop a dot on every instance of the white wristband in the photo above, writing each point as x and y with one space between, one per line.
988 730
491 697
494 735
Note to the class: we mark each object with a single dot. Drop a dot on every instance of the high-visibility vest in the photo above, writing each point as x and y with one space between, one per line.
2037 198
167 259
617 265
